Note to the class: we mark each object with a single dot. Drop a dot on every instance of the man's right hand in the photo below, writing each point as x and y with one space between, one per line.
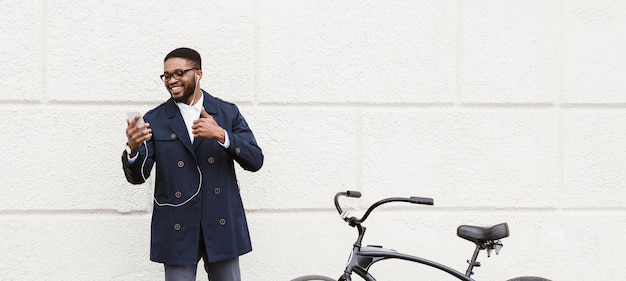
137 135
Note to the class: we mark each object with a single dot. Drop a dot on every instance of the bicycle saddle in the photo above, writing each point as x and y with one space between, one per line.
479 234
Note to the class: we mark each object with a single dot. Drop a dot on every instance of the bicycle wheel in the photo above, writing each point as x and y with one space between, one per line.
529 278
313 278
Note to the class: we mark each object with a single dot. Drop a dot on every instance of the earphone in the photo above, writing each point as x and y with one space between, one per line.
194 95
143 164
145 179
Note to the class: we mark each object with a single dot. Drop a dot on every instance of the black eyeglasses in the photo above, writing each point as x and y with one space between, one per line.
177 74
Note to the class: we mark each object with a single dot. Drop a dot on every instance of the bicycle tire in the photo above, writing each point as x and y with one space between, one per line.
313 278
529 278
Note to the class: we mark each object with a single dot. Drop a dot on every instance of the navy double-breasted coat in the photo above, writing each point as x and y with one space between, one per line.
196 186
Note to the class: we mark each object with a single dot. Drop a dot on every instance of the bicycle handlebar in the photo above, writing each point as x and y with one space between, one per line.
355 194
349 193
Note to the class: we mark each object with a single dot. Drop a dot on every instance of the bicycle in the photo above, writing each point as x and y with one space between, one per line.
363 257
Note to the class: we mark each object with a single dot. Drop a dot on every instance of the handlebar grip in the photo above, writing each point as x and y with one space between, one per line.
422 200
354 194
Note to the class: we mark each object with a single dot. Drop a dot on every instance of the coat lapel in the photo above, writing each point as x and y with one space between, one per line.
177 124
209 106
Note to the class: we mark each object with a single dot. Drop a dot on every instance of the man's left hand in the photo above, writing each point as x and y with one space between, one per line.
207 128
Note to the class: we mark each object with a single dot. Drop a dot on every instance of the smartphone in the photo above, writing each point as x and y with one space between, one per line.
132 114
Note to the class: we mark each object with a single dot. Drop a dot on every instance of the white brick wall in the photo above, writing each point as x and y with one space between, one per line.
500 110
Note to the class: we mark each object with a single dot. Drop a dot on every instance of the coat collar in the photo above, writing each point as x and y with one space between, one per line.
210 104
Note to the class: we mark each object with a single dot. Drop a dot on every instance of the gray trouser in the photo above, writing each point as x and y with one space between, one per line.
227 270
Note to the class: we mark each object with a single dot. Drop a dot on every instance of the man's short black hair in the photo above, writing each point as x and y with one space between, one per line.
186 53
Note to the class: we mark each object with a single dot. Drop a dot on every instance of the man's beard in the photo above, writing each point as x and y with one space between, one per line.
188 93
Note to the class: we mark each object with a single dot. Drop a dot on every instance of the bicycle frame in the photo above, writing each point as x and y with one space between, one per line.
362 258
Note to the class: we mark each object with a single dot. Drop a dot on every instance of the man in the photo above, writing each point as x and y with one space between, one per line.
193 138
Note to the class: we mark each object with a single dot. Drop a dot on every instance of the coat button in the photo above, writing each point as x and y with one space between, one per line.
211 160
173 136
178 194
177 226
181 164
222 221
237 150
217 190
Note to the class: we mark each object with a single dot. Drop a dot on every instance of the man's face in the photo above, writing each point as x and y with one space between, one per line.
181 89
